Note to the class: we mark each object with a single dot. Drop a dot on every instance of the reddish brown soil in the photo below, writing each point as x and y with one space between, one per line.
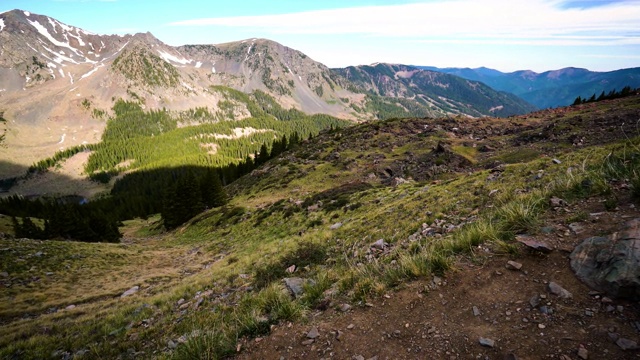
428 321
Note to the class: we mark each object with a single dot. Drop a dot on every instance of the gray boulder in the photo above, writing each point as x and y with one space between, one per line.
612 264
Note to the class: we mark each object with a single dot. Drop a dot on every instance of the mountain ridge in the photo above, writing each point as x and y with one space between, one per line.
550 88
58 83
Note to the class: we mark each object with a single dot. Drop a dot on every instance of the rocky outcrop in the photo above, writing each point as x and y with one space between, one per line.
611 264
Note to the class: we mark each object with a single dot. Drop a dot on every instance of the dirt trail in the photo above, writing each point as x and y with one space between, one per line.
435 319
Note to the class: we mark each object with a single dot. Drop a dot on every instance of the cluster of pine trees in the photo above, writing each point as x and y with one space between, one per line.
61 220
613 94
178 194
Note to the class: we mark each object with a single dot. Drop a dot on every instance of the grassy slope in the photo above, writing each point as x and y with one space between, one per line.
234 258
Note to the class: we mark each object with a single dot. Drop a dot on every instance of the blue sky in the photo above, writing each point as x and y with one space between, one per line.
511 35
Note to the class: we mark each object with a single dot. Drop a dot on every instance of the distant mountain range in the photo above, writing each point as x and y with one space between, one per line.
550 88
58 83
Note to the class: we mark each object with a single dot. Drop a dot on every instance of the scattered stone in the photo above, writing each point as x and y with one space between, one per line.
535 301
70 307
308 342
171 344
291 269
336 226
313 333
511 356
576 228
583 353
38 254
380 244
48 274
534 244
541 326
295 285
350 326
512 265
611 265
556 202
476 311
556 289
358 357
589 313
344 307
180 302
556 161
546 310
487 342
131 291
626 344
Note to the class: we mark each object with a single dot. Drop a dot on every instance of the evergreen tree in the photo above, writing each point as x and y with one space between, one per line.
263 155
577 101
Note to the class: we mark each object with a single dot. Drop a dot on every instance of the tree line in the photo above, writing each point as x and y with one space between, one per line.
613 94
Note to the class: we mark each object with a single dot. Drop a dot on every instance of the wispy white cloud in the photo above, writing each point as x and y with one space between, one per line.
526 22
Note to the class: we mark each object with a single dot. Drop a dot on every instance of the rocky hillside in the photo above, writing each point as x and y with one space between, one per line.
550 88
430 92
58 83
404 238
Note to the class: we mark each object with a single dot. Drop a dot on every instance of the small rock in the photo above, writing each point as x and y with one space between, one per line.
295 286
131 291
511 357
358 357
38 254
336 226
313 333
535 301
171 344
350 326
308 342
589 313
181 301
541 326
556 202
546 310
70 307
512 265
556 289
291 269
534 244
4 274
583 353
556 161
344 307
576 228
476 311
487 342
380 244
626 344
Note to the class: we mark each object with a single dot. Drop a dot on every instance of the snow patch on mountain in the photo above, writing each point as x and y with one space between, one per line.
1 24
26 13
44 32
91 72
172 58
198 64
